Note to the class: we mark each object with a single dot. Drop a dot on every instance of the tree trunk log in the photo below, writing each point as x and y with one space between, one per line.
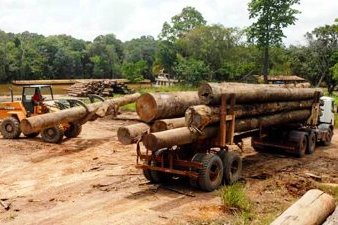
131 134
184 135
202 115
167 124
210 93
152 106
76 114
311 209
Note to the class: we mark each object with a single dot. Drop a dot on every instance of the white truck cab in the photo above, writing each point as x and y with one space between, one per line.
327 110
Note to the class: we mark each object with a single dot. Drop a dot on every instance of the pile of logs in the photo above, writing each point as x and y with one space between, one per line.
102 88
181 118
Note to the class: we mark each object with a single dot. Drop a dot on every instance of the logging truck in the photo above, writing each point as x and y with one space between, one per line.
202 154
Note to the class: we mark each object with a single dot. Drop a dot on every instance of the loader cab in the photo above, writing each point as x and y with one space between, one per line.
327 110
29 91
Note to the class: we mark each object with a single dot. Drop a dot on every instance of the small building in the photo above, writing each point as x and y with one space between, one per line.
285 79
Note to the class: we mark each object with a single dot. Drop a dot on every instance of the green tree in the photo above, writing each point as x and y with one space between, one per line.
182 23
192 71
271 17
134 71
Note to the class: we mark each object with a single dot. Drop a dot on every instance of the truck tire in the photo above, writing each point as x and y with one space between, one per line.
155 176
232 164
10 128
311 146
210 176
302 145
52 134
73 130
328 138
300 142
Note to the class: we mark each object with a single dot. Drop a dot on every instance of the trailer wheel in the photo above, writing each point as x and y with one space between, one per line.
155 176
10 128
73 130
302 145
232 164
328 138
210 176
52 134
311 146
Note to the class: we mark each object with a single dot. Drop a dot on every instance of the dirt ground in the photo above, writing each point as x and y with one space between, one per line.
92 179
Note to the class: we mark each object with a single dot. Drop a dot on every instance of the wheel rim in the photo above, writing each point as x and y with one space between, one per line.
50 132
214 172
9 128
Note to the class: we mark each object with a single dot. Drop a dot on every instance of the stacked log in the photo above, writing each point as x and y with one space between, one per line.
103 88
160 112
257 106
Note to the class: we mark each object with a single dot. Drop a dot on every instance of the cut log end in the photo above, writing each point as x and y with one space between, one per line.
146 107
132 133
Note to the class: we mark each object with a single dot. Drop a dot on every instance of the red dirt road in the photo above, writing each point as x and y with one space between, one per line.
92 180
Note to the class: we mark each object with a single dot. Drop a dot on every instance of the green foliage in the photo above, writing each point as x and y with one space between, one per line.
192 71
134 71
182 23
234 197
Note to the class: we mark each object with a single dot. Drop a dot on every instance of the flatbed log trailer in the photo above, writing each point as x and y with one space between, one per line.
208 163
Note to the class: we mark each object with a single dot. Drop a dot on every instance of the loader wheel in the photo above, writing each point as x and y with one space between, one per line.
311 146
73 130
210 176
52 134
232 164
32 135
327 140
10 128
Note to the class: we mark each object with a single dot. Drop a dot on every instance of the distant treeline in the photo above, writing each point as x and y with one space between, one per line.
187 48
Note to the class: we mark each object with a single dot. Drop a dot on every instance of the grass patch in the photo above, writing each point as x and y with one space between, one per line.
331 190
234 197
130 107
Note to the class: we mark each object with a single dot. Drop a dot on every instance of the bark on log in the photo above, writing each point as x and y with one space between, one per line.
76 114
152 106
167 124
202 115
210 93
184 135
131 134
311 209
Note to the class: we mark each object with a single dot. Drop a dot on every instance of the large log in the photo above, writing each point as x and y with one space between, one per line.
132 133
76 114
167 124
311 209
184 135
202 115
152 106
210 93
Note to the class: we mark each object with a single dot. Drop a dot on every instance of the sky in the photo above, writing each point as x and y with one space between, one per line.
128 19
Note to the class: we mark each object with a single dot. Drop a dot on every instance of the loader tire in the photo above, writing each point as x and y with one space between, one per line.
232 164
73 130
211 174
52 134
10 128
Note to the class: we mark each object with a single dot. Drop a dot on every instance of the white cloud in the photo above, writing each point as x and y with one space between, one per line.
129 19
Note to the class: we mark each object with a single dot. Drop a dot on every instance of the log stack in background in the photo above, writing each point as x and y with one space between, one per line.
103 88
256 106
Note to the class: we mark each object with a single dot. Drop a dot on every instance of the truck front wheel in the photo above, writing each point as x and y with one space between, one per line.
328 137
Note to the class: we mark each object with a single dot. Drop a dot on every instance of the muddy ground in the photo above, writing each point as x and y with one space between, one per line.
92 179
